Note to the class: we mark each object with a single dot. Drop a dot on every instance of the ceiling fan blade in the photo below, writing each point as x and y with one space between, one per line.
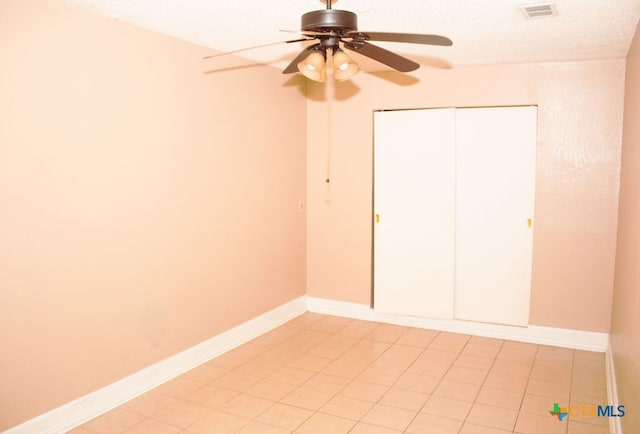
293 66
393 60
412 38
257 46
305 32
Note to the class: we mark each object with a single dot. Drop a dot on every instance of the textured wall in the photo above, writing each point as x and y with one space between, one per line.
625 324
578 156
136 193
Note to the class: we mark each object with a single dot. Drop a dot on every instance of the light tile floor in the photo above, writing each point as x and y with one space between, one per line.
325 374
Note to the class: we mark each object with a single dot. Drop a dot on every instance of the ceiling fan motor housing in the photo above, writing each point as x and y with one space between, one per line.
327 20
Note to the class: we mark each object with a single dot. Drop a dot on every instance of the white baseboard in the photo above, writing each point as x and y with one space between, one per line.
615 423
83 409
575 339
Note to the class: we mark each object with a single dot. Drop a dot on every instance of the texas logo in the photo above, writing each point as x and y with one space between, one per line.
561 413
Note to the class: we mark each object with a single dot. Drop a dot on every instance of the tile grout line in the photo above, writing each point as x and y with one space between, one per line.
406 370
495 358
394 361
524 393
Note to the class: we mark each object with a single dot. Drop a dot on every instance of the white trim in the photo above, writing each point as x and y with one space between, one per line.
615 423
83 409
575 339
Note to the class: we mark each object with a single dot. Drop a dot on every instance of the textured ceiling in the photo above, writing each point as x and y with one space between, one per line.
483 31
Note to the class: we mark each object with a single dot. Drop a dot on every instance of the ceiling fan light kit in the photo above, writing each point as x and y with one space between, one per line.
343 66
314 66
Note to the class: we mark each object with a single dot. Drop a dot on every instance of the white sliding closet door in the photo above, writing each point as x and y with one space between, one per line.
414 197
494 204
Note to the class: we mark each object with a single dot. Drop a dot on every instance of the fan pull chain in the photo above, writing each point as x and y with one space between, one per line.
329 140
329 96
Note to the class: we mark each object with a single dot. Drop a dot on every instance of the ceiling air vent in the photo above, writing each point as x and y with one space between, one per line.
539 10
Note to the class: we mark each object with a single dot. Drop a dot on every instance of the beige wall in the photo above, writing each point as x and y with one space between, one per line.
625 324
136 192
144 206
578 158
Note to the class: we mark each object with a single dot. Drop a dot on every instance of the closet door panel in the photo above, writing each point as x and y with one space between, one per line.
414 188
494 205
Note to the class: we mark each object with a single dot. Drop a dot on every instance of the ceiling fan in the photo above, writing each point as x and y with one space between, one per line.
336 30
